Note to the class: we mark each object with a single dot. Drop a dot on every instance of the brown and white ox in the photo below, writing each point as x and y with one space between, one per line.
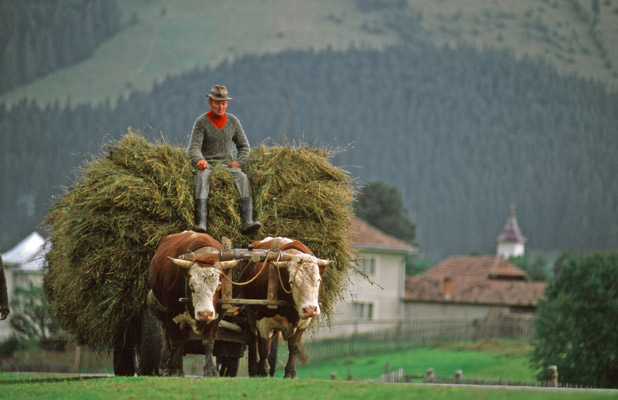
299 287
172 279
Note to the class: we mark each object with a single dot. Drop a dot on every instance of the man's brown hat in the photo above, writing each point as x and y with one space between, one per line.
219 92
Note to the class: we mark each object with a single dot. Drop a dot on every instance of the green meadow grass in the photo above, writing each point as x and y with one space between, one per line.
482 360
44 387
490 360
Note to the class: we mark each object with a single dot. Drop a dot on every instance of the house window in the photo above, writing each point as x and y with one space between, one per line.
367 266
363 311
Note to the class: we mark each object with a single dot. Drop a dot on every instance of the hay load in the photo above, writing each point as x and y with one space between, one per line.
105 228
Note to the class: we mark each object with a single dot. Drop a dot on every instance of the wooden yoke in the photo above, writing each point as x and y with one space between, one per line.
226 282
252 257
273 281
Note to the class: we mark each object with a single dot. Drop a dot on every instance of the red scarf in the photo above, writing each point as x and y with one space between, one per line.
218 122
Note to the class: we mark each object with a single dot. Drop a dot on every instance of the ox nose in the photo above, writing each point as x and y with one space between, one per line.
205 315
310 311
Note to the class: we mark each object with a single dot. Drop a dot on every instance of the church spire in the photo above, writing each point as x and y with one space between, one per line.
511 242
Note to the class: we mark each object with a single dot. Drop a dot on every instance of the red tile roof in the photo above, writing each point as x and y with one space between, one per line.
487 280
365 236
478 267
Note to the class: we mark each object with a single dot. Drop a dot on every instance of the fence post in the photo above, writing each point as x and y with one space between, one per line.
553 376
77 359
458 376
430 375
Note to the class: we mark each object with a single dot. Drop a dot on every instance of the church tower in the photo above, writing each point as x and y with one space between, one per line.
511 242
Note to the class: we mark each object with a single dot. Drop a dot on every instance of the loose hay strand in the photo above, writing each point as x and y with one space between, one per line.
105 228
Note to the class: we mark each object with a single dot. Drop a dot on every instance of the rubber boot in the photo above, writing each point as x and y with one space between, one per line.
201 214
246 216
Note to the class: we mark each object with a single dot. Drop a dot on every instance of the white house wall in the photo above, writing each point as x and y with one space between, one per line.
508 250
385 294
16 277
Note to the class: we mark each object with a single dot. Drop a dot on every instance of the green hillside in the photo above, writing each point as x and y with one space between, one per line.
168 37
463 131
164 38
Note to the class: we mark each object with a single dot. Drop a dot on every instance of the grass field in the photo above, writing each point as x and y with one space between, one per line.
16 387
490 360
505 360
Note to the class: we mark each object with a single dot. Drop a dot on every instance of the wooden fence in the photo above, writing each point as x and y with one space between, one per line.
398 376
387 336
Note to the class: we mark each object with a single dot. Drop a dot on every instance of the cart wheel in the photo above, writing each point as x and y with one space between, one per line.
149 349
124 349
228 366
137 348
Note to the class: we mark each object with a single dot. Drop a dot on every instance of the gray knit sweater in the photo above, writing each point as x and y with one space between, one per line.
215 145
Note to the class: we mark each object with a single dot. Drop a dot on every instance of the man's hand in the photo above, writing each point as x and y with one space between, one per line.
202 164
234 164
3 314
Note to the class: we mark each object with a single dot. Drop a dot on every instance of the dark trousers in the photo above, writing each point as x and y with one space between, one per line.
202 183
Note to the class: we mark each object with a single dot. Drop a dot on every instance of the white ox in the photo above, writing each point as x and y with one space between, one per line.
299 287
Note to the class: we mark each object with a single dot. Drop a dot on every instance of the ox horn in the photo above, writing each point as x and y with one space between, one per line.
323 263
181 263
227 264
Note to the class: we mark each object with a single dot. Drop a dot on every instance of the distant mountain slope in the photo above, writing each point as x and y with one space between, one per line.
462 133
38 38
171 37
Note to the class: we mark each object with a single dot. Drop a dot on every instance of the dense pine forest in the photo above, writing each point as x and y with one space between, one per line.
462 133
39 37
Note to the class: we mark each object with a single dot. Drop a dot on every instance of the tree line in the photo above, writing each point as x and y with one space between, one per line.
39 37
462 133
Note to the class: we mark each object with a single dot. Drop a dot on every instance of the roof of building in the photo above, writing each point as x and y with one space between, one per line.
367 237
487 280
476 267
29 254
511 231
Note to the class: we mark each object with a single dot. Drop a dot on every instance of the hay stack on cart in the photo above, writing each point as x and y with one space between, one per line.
105 228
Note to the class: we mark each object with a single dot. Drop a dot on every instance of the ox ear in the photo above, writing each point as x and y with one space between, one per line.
183 264
227 264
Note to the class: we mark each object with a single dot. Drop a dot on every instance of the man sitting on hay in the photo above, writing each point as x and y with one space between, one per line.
211 144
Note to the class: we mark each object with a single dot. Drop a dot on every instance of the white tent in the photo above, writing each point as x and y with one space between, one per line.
29 254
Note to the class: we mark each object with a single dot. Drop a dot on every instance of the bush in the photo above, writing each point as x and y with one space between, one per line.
13 344
576 324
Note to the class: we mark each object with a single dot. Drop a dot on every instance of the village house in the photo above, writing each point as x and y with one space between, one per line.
374 300
468 289
476 287
22 264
